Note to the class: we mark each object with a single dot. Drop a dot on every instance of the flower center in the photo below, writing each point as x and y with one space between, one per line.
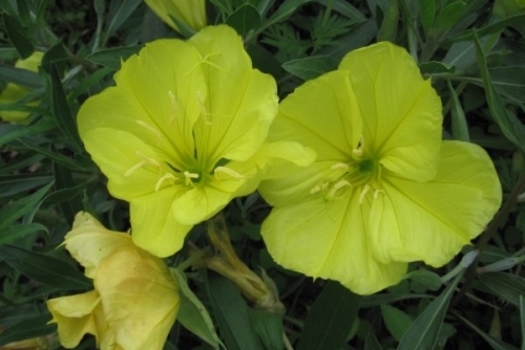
362 173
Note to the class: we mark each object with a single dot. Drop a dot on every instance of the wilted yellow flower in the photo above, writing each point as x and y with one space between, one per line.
192 13
12 93
385 189
183 133
135 300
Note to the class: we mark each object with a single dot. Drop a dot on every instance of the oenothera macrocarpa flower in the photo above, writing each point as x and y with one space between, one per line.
135 300
12 93
385 189
183 132
191 13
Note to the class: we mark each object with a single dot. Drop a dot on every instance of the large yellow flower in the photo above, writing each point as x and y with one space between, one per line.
135 300
182 133
190 12
384 190
12 93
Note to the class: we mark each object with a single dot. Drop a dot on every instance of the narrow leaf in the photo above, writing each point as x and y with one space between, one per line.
450 15
20 76
112 58
330 319
424 332
459 121
14 232
61 111
371 343
9 132
120 15
244 19
231 314
511 127
30 328
507 286
269 328
496 344
309 67
16 34
522 321
193 315
388 30
427 9
44 268
396 321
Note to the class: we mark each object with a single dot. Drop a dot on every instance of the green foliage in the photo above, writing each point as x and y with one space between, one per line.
476 60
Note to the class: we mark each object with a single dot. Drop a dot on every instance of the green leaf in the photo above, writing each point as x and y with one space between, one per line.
371 343
20 76
121 10
36 326
427 278
9 132
330 319
509 81
44 268
388 298
427 9
450 15
16 34
388 30
511 127
496 344
193 315
522 321
244 19
21 207
231 314
424 331
489 29
112 58
14 232
14 184
269 328
70 192
508 286
434 67
284 11
344 8
61 111
56 55
459 121
309 67
396 321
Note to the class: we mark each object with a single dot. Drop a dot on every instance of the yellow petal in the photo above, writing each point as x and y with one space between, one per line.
132 167
202 202
241 102
190 12
433 221
401 111
89 242
74 316
157 99
139 297
321 114
154 227
329 240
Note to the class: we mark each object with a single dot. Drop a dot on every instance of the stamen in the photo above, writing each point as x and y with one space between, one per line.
340 166
224 170
134 168
377 192
167 176
363 193
151 129
337 187
174 106
190 176
318 188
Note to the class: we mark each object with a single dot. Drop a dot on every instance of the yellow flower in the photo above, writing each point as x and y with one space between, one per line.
183 133
12 93
192 13
384 190
135 300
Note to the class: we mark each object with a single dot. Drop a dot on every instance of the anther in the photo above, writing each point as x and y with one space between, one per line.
358 152
190 176
150 129
338 186
340 166
363 193
224 170
377 192
167 176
